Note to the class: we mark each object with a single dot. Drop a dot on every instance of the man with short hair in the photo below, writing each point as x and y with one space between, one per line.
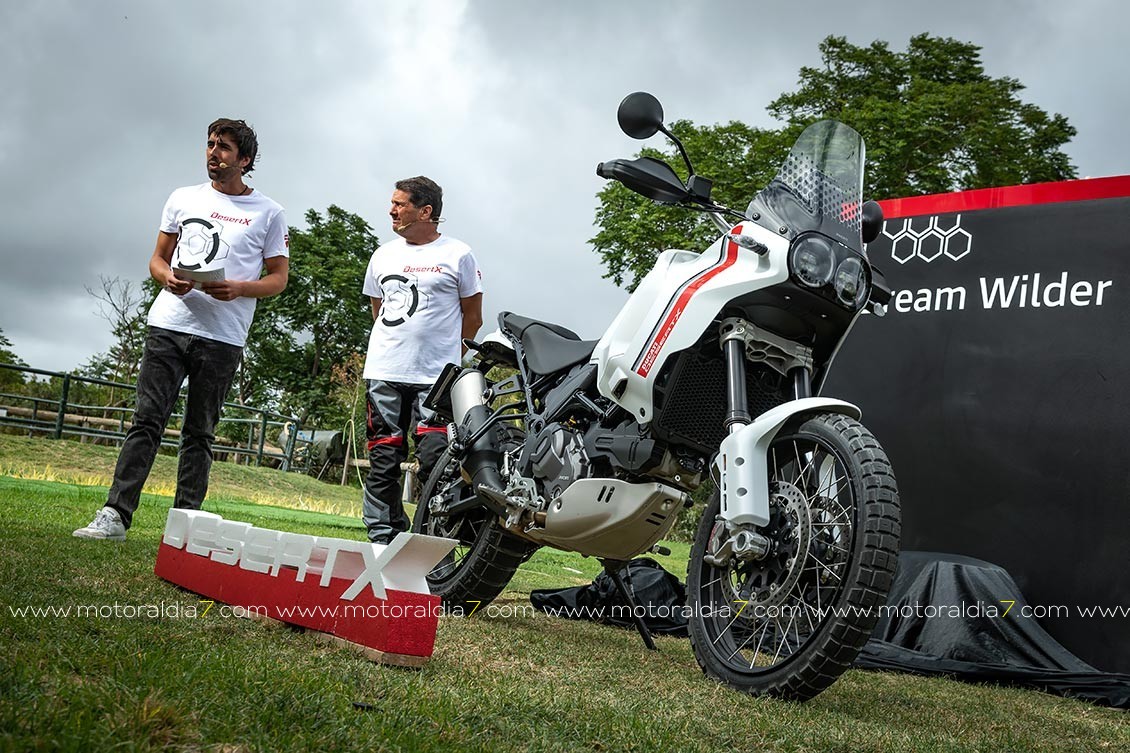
198 329
426 294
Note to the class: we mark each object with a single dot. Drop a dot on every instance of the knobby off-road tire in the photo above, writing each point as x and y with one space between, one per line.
789 624
487 555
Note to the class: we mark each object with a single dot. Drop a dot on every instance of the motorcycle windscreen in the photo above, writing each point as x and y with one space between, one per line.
819 187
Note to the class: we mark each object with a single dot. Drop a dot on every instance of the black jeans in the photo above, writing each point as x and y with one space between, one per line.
169 357
394 408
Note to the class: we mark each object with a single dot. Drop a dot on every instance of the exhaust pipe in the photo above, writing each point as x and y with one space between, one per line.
471 412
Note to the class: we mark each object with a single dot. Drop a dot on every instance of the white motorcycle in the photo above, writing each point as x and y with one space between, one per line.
710 374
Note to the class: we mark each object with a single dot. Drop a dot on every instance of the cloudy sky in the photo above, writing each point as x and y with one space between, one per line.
508 104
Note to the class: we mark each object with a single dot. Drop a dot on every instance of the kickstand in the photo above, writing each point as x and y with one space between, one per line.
613 569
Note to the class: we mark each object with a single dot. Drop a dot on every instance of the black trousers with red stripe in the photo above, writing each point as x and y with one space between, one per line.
395 410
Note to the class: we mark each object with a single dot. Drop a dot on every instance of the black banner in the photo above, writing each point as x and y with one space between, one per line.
997 384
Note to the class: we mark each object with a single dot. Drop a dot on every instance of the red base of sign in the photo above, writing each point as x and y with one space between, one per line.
404 623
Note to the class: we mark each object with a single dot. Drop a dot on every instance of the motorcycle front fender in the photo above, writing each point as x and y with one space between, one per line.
743 463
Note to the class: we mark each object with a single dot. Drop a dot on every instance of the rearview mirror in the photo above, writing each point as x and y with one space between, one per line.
640 115
872 221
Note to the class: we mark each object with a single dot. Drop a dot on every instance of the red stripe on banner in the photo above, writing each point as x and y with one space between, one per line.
673 317
1090 189
430 430
404 623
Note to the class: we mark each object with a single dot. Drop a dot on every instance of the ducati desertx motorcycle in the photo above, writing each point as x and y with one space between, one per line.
710 374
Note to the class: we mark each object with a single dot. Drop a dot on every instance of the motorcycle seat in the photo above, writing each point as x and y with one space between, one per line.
548 347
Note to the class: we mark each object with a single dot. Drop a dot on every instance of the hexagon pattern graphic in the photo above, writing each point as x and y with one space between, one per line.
927 238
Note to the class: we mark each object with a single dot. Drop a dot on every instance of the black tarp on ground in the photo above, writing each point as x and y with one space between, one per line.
965 618
657 592
946 615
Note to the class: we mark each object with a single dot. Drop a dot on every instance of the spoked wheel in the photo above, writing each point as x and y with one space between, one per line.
486 557
789 623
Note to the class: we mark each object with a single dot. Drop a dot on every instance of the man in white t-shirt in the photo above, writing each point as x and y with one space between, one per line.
426 292
197 329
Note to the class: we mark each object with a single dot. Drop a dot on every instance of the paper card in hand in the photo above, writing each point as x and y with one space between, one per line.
199 275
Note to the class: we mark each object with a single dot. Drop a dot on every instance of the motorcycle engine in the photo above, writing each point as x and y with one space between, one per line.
557 459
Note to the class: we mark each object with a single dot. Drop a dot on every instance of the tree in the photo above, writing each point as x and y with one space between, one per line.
124 305
9 378
322 319
932 119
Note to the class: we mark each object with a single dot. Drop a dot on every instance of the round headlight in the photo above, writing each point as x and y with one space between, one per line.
851 283
812 260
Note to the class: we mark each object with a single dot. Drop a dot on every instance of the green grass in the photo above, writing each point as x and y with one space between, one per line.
522 681
93 465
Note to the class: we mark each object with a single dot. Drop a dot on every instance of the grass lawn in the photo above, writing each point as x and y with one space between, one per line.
509 681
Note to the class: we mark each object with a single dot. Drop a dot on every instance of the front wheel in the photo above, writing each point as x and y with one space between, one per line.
788 624
486 557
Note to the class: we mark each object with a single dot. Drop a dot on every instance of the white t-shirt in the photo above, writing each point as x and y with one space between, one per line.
218 231
419 329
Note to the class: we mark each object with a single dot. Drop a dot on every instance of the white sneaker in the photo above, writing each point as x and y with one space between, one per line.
107 524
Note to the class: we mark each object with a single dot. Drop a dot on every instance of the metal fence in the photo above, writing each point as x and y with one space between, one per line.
242 432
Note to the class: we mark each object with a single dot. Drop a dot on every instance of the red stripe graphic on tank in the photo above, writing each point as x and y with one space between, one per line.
728 260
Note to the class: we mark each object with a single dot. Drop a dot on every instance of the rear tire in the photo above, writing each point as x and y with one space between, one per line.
789 624
487 555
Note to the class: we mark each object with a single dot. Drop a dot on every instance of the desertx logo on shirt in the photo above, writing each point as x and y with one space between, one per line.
200 243
402 298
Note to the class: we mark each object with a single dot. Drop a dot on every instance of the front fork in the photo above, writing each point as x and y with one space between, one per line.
742 460
736 540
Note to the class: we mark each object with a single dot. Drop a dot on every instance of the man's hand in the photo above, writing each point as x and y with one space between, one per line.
175 285
223 290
